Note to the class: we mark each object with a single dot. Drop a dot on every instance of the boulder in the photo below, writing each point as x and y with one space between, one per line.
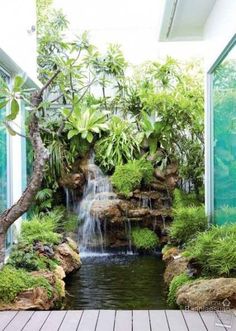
68 258
171 254
159 175
208 294
176 267
153 195
106 209
138 213
158 185
171 169
72 244
32 299
73 181
37 298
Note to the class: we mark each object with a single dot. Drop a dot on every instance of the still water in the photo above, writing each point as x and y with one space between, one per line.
117 282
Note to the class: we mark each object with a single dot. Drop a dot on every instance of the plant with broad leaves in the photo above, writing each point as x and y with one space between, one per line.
12 95
85 121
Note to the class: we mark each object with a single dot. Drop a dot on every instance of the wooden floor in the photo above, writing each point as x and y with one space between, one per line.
121 320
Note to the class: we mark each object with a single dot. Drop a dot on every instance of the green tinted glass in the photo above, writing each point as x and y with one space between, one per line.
224 139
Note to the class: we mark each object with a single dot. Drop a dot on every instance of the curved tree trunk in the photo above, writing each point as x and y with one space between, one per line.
10 215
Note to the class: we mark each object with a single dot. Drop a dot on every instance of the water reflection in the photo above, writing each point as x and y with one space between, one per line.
118 282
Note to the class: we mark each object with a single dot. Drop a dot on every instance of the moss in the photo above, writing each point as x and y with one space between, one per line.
175 285
144 239
13 281
131 175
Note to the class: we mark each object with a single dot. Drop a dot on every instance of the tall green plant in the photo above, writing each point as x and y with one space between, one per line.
121 144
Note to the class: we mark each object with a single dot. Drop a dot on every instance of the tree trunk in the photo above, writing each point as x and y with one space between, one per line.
10 215
2 246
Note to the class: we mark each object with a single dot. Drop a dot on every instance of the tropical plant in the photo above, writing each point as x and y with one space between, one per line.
43 200
129 176
215 250
144 239
120 145
85 122
152 128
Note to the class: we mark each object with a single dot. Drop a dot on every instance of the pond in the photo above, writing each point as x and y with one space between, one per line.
117 282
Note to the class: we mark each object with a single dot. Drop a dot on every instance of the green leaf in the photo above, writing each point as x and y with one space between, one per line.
14 110
18 83
10 131
72 133
90 137
3 103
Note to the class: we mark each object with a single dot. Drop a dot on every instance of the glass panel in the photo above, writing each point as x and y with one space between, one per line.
224 139
3 157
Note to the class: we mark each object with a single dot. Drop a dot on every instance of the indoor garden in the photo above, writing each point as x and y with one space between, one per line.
113 209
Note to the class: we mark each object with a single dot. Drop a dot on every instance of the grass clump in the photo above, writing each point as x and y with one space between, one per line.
13 281
175 285
144 239
182 199
187 223
40 228
215 251
131 175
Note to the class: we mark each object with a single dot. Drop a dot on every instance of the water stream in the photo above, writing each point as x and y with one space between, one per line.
98 187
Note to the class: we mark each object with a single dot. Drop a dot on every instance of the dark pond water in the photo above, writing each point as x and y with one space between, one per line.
117 282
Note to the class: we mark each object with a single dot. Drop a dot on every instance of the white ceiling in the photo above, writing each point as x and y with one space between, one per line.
185 19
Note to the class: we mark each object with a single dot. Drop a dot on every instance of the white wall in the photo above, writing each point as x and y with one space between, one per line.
220 27
17 18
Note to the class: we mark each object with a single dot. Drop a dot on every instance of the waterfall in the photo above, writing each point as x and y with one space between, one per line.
71 201
98 187
145 202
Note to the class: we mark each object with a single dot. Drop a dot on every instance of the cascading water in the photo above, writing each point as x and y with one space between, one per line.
98 187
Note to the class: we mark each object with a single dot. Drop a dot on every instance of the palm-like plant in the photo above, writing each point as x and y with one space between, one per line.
120 145
86 122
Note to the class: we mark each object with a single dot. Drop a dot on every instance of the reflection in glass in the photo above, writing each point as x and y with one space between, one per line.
224 139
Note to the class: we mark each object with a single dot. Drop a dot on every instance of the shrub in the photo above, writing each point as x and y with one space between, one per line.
188 221
26 258
215 250
69 222
182 199
41 228
129 176
144 239
175 285
13 281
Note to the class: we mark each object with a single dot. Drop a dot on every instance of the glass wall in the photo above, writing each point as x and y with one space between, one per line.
3 157
224 139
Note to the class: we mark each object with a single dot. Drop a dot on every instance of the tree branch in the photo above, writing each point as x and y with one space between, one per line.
40 93
14 131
